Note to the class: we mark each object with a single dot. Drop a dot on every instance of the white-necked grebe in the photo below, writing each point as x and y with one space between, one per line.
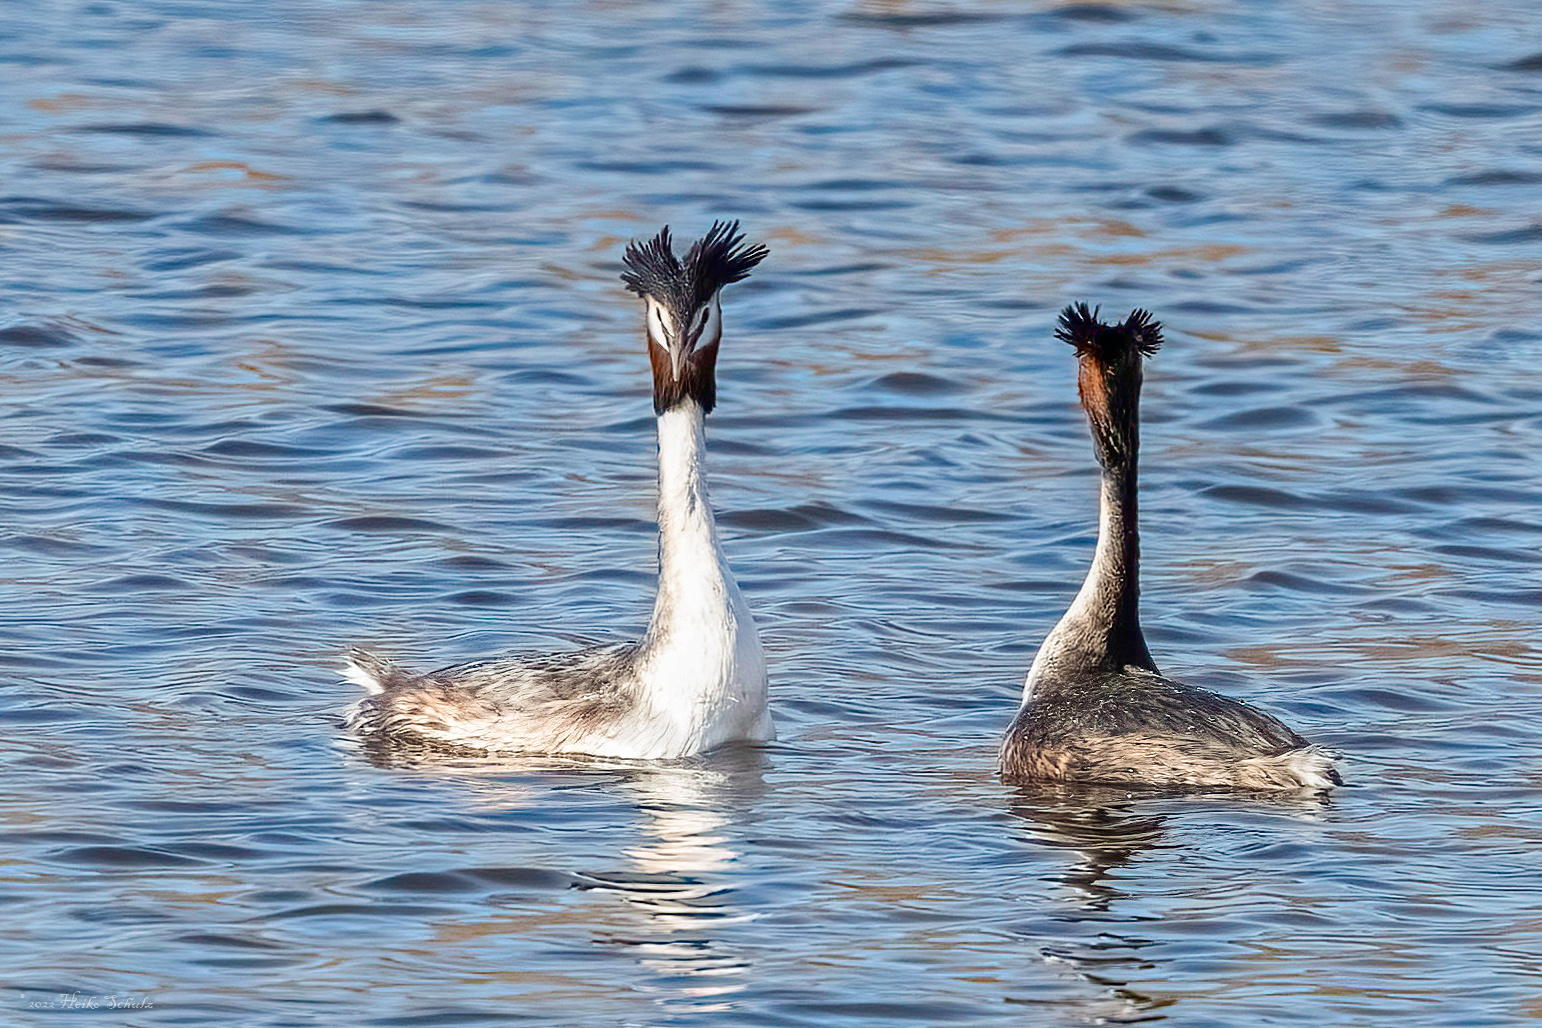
698 677
1095 707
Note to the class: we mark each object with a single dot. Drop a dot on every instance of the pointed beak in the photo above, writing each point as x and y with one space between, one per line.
678 337
683 346
677 355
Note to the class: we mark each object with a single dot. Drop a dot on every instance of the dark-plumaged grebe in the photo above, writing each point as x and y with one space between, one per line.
698 677
1095 707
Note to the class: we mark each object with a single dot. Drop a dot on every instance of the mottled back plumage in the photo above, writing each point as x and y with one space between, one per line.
543 700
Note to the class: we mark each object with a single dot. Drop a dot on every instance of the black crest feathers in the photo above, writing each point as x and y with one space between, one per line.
713 261
1080 327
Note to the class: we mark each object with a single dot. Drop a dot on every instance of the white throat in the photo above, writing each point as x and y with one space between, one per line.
701 660
694 580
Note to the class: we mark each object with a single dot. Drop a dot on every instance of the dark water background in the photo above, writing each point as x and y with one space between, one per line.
310 333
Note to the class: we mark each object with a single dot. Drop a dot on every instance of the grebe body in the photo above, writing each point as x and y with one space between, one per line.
697 678
1095 708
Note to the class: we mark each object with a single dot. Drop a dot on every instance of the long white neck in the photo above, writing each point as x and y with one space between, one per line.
701 664
699 613
694 581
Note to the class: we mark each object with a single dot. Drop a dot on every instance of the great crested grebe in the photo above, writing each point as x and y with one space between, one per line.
1095 708
698 677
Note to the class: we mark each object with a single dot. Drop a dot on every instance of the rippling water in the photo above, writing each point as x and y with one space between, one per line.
312 334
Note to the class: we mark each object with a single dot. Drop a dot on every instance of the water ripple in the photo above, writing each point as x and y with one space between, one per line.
314 337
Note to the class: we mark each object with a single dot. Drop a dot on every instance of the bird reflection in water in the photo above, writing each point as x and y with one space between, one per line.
677 887
1114 828
1099 823
679 880
1096 821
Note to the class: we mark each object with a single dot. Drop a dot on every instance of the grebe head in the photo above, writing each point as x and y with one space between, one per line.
1109 377
684 318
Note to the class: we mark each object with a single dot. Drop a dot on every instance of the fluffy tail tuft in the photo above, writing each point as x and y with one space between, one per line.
1314 766
370 672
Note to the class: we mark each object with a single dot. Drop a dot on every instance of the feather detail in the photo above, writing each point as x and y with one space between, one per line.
371 672
713 261
1139 333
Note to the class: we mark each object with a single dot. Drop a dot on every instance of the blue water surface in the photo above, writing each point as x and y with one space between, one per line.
311 334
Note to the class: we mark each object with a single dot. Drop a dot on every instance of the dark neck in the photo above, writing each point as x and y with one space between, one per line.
1110 597
1101 629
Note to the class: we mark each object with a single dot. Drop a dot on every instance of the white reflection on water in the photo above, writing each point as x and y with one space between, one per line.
679 888
676 885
